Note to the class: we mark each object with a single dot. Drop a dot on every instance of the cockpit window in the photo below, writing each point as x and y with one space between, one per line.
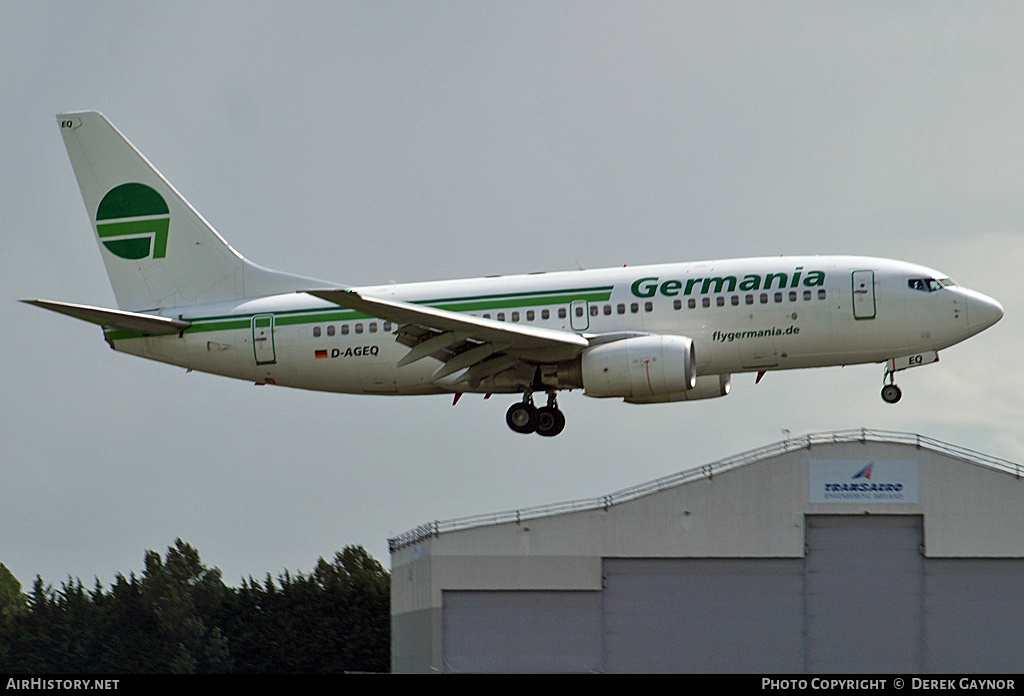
930 284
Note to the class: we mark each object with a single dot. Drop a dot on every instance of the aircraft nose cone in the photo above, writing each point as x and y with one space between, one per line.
983 312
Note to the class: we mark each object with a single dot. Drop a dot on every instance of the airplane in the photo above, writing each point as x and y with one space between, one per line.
646 334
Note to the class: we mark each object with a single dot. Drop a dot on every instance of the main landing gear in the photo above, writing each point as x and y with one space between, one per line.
546 421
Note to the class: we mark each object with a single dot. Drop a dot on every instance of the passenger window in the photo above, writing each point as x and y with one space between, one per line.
607 310
735 300
706 302
545 314
387 326
316 332
620 309
344 329
821 294
330 330
648 306
691 303
792 296
373 327
530 315
778 297
515 316
749 299
561 312
676 304
593 310
634 307
720 301
501 316
807 295
359 328
764 298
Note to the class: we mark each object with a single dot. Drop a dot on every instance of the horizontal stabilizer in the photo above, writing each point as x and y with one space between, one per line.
146 324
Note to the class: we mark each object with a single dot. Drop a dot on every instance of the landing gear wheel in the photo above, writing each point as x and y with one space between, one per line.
891 393
522 417
550 421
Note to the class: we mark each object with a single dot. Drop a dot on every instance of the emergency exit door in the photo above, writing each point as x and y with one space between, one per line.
579 315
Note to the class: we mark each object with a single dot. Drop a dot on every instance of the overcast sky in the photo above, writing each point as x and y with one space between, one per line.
367 142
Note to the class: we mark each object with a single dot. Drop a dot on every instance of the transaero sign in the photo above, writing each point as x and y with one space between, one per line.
863 480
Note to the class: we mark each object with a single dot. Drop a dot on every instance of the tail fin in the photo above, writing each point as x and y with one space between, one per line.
159 252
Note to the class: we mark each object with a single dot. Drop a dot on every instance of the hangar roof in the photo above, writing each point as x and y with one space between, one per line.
705 471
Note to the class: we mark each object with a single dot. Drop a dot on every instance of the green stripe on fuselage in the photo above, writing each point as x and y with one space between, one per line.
454 304
606 289
521 301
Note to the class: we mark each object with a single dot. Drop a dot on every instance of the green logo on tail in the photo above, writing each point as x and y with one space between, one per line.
132 222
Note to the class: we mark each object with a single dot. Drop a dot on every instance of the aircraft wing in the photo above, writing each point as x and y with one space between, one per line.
460 340
145 324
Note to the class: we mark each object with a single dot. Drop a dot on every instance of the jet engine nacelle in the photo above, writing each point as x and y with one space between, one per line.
707 387
640 366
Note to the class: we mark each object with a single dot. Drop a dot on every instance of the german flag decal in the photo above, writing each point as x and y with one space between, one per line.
321 354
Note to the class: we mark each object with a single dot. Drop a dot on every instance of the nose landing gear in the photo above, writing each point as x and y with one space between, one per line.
890 392
525 418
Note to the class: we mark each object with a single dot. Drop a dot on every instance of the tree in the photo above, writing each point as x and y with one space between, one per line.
183 595
179 617
13 602
357 605
13 608
337 619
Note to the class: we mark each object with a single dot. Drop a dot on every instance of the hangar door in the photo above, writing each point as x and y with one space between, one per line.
703 615
522 631
974 614
864 599
864 579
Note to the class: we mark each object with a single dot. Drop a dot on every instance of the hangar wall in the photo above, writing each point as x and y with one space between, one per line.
752 541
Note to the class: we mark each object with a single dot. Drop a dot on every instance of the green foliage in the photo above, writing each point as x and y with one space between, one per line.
12 602
13 608
180 617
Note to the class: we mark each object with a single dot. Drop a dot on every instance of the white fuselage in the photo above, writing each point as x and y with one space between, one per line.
646 334
743 315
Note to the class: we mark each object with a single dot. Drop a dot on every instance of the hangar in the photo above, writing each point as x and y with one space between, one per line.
853 551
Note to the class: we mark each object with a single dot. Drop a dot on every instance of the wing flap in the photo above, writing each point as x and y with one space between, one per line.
435 343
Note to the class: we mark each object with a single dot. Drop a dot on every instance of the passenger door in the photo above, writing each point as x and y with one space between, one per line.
263 339
863 294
